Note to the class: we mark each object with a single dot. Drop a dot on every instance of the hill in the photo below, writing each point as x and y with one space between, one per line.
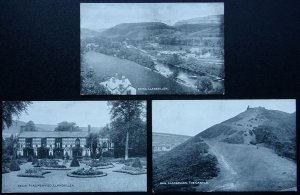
166 139
188 162
213 19
137 31
253 151
272 128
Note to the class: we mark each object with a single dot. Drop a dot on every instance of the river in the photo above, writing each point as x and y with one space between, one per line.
143 79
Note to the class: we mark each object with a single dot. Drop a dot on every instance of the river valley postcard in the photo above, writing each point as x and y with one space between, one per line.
152 48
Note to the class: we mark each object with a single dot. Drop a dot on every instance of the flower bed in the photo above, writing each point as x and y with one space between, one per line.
131 170
50 164
86 173
100 164
34 172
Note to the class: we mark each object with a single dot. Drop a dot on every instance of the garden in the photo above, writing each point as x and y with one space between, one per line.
110 174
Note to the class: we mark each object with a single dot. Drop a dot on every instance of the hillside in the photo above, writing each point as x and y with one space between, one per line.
253 151
138 31
250 168
189 162
272 128
166 139
213 19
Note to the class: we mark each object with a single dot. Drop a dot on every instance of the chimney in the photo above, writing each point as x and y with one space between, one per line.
114 80
89 128
123 79
22 128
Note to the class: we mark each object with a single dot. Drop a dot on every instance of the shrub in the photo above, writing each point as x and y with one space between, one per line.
34 161
137 163
30 159
89 171
253 142
5 169
14 166
74 163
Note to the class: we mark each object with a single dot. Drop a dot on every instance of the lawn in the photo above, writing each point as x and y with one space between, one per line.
58 181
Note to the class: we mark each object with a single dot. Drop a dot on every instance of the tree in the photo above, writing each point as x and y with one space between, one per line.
204 85
66 126
30 126
90 84
92 142
11 109
123 114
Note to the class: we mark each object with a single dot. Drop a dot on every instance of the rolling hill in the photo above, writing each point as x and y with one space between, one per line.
138 31
272 128
166 139
209 26
213 19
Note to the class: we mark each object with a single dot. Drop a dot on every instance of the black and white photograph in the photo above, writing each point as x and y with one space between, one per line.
224 145
74 146
152 48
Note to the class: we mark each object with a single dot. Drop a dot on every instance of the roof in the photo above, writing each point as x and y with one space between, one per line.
115 83
32 134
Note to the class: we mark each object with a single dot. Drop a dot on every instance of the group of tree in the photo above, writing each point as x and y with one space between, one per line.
66 126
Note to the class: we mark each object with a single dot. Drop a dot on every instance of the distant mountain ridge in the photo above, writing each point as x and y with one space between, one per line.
212 19
200 26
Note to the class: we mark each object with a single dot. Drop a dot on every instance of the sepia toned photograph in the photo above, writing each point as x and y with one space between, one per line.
224 145
152 48
74 146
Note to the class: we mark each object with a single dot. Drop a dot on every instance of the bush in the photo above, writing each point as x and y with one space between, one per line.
89 171
253 142
34 161
204 85
30 159
5 169
74 163
97 163
14 166
137 163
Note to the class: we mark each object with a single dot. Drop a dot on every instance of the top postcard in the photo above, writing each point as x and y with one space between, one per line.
152 48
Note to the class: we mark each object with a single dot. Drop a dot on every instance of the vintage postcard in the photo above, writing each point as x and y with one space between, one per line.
152 48
74 146
224 145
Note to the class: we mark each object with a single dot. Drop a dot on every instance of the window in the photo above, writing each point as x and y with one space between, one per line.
44 142
128 92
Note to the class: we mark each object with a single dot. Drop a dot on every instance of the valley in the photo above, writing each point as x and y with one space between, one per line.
191 55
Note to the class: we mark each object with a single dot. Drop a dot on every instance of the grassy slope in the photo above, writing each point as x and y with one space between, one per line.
246 168
189 161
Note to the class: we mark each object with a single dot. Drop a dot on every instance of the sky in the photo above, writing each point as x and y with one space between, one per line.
83 113
105 15
190 117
